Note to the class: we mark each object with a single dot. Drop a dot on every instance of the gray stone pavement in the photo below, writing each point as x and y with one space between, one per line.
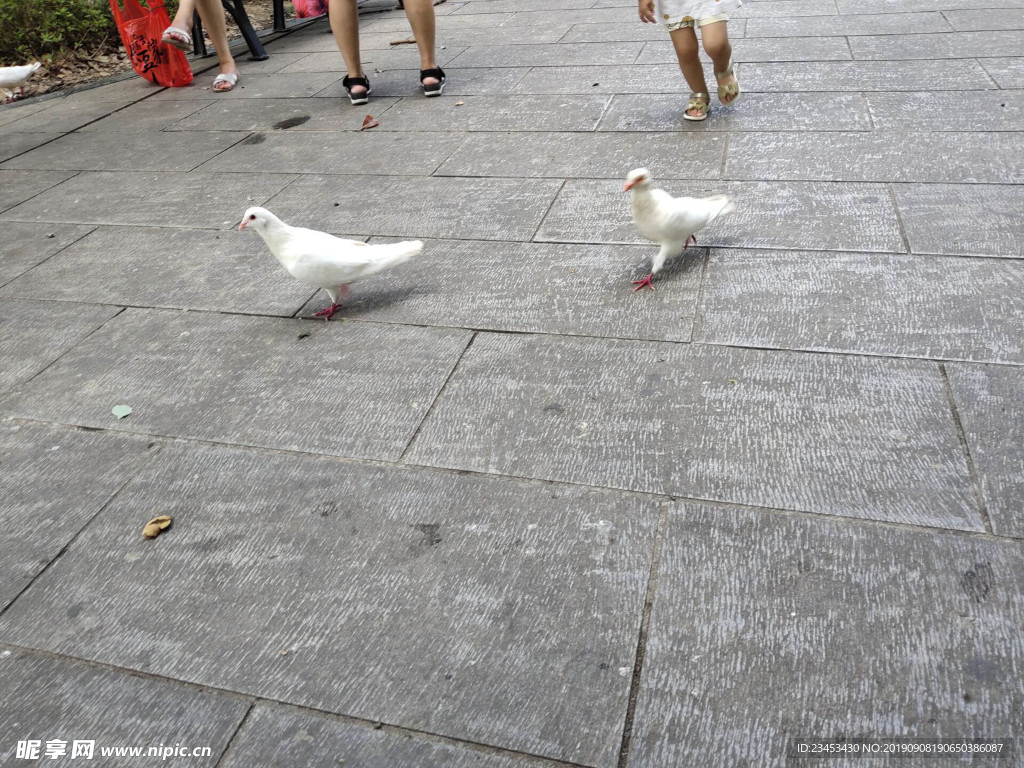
507 512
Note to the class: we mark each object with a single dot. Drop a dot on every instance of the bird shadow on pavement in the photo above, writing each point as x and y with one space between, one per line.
379 298
690 261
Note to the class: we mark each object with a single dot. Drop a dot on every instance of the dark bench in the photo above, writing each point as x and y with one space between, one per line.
237 12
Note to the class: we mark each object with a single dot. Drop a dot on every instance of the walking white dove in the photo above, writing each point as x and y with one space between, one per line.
324 260
16 77
669 221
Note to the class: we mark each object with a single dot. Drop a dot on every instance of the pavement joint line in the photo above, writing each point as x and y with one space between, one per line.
154 449
238 729
4 395
547 211
645 625
601 489
248 135
58 251
433 403
899 218
515 332
966 448
695 324
995 84
255 700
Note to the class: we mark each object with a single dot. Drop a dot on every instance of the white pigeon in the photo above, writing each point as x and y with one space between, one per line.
669 221
16 77
324 260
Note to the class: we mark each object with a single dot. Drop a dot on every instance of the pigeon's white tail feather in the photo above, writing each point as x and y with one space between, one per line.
727 205
387 256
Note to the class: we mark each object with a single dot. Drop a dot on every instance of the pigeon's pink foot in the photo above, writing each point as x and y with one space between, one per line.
642 282
328 313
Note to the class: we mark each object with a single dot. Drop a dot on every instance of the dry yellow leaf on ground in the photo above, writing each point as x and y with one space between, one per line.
154 526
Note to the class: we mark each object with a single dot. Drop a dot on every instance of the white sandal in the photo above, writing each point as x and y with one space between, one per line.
183 41
225 77
732 89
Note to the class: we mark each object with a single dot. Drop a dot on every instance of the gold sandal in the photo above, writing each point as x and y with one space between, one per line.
732 89
701 101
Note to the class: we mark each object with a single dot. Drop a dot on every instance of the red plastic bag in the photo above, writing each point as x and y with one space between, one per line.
141 29
305 9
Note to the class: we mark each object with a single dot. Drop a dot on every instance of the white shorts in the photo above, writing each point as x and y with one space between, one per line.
688 22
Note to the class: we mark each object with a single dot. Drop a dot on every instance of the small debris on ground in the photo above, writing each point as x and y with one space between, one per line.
156 525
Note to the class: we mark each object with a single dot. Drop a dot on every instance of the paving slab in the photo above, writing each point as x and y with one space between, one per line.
61 116
276 393
259 86
444 23
64 699
1007 72
151 115
857 437
13 143
663 78
768 215
858 23
977 20
26 245
532 287
887 6
616 31
989 405
585 155
879 304
549 55
763 10
54 481
877 156
756 614
286 115
393 57
351 153
274 735
498 113
488 36
18 186
10 113
960 111
626 15
34 335
143 151
760 49
500 612
144 267
405 83
210 200
963 219
927 75
756 112
512 6
407 206
943 45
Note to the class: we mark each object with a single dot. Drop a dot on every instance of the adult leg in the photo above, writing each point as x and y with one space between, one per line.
719 49
344 16
212 14
684 40
421 19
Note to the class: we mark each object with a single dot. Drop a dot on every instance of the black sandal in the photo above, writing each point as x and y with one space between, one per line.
357 98
432 90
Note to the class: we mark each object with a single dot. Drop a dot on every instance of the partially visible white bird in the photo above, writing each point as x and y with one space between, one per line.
669 221
16 77
324 260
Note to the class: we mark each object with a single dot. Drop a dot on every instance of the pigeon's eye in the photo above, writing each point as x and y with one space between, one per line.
252 217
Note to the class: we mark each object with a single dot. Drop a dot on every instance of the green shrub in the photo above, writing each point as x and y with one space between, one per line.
35 29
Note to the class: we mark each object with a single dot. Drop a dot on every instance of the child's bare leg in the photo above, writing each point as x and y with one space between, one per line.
684 40
345 25
719 49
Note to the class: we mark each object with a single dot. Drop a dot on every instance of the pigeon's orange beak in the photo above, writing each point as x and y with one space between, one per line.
242 225
629 186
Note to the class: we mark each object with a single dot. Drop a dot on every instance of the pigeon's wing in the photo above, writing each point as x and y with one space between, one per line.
679 217
325 260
